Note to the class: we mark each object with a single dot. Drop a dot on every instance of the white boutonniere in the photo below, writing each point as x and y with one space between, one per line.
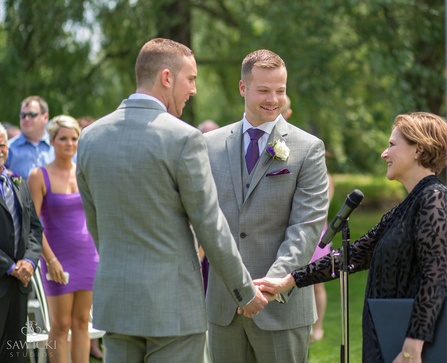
278 150
16 179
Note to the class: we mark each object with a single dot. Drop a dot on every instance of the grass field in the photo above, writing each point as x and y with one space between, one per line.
328 349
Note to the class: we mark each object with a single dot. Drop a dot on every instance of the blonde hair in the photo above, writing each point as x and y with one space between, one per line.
429 133
62 121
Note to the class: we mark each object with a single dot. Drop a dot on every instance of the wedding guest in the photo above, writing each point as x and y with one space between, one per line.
69 254
20 249
11 130
406 252
32 147
85 121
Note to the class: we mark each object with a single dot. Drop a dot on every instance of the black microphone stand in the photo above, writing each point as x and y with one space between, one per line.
344 268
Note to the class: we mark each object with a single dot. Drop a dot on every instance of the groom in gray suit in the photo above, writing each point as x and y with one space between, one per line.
272 186
145 179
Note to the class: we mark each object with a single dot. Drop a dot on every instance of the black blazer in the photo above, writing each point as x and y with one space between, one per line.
30 244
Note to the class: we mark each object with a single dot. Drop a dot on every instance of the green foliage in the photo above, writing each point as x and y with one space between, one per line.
352 66
380 194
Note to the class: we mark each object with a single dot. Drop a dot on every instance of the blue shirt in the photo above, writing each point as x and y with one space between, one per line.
24 156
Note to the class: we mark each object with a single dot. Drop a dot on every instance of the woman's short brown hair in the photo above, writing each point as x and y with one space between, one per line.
429 133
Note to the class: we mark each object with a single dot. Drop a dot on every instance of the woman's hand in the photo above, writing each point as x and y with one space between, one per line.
56 272
411 351
274 285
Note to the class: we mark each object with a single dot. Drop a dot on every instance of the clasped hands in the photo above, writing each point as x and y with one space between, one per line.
23 271
267 291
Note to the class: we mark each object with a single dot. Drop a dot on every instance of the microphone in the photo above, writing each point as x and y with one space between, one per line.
352 201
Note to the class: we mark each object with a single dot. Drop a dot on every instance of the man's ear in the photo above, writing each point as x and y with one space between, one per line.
242 88
166 78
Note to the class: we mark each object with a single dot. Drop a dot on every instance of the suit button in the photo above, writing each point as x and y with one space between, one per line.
247 186
242 235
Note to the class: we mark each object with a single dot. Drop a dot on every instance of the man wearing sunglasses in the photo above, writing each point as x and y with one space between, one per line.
32 147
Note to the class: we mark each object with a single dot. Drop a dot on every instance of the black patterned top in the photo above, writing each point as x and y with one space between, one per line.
406 254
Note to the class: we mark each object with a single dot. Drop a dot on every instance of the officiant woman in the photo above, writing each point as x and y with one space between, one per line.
406 251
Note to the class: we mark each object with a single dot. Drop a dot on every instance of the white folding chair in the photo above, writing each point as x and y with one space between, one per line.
39 324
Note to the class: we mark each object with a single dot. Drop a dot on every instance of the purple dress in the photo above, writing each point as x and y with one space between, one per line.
320 252
65 227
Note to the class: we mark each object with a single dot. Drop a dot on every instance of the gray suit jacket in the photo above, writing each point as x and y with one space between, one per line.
278 225
144 177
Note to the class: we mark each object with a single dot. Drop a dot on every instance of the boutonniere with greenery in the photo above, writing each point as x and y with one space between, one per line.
16 179
278 150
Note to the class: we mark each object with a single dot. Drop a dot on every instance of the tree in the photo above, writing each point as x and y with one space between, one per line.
352 65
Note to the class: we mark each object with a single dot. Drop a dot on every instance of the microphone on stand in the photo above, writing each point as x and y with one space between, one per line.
352 201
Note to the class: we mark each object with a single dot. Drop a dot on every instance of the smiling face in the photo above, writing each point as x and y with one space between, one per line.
65 142
401 158
182 86
265 94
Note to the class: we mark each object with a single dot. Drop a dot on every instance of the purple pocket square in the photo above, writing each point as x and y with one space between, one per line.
279 172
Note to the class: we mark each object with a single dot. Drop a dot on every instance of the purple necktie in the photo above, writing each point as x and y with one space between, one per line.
10 203
252 155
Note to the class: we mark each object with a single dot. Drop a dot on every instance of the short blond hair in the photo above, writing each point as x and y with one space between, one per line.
429 133
62 121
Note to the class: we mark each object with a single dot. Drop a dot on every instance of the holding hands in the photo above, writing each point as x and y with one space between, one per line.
268 290
255 306
273 285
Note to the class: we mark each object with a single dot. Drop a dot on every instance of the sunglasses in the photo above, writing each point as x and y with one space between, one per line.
29 114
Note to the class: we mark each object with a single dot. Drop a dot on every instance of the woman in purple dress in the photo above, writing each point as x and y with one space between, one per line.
68 248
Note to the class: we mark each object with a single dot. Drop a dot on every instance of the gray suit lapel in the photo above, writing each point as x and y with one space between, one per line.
265 160
234 154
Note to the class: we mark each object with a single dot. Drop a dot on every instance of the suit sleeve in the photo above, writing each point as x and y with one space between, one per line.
34 242
307 216
87 200
199 197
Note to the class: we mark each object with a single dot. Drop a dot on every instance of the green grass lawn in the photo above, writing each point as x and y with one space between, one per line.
328 349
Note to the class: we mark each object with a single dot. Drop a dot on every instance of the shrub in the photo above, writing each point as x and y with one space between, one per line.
380 193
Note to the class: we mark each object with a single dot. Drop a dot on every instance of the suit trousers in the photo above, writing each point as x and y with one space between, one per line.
13 315
244 342
182 349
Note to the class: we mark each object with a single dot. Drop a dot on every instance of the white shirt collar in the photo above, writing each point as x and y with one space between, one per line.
267 127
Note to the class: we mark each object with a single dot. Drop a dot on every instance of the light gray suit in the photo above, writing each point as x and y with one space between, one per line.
144 178
276 220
